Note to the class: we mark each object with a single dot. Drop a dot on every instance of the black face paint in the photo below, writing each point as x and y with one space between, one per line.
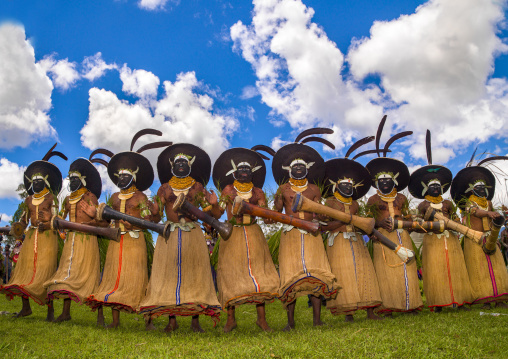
125 180
38 185
434 190
299 171
385 185
74 183
243 174
181 168
345 189
480 190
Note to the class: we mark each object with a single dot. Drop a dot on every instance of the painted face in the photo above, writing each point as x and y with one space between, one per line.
243 174
480 190
299 171
385 185
345 189
181 168
74 183
434 190
38 185
125 180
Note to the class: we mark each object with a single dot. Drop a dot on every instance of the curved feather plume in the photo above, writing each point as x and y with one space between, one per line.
56 153
319 139
102 151
358 144
366 153
146 131
494 158
314 131
47 155
150 146
267 149
99 160
472 158
378 134
429 148
395 138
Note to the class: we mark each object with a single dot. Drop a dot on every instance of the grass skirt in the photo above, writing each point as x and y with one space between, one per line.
78 273
245 272
36 264
181 282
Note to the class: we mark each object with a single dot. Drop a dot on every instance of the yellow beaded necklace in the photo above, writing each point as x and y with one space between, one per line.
343 199
433 199
243 187
181 183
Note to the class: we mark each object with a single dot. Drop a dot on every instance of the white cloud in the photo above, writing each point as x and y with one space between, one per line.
436 65
25 91
12 176
95 67
140 83
154 5
5 218
182 114
62 72
299 70
249 92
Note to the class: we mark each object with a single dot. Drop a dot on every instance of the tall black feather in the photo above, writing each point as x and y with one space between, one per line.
358 144
429 148
395 138
472 158
149 146
99 160
267 149
319 139
378 134
47 155
366 153
56 153
102 151
146 131
314 131
494 158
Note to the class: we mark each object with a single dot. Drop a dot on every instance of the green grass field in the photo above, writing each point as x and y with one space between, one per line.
450 334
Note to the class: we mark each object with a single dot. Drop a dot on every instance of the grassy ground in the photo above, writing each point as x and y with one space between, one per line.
450 334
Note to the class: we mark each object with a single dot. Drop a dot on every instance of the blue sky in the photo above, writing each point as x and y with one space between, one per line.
224 74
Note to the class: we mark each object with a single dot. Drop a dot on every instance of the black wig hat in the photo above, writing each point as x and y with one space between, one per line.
88 174
419 180
230 160
48 171
338 169
283 158
199 162
469 176
396 169
133 162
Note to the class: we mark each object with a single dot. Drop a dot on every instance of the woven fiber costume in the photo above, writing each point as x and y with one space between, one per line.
347 252
245 272
78 273
37 260
125 274
303 264
398 281
445 279
472 190
181 282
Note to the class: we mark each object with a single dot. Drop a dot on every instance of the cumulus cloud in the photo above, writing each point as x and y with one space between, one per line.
182 114
95 67
12 176
435 68
5 219
154 5
25 91
139 83
435 65
298 70
62 72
